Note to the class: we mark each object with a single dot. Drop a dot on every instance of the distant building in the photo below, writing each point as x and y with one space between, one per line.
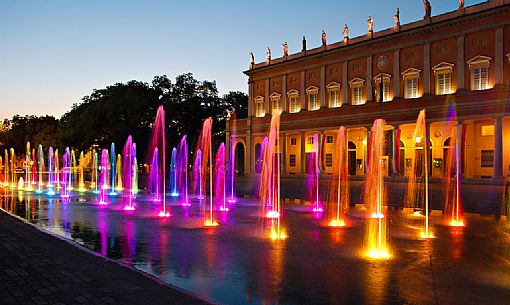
462 56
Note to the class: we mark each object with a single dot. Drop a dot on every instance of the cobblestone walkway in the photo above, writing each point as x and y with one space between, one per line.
37 268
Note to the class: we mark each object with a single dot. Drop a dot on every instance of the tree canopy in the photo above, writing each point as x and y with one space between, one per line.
111 114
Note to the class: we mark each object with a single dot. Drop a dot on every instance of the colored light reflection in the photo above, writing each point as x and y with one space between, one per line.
224 209
164 214
210 223
377 215
337 223
377 254
275 235
425 235
129 208
457 223
272 214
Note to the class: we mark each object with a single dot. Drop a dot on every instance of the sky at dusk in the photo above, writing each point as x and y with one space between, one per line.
55 52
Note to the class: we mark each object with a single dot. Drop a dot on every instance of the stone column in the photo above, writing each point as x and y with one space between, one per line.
302 93
396 74
498 148
345 83
499 58
428 145
322 90
249 167
303 154
284 93
250 98
266 98
460 63
426 69
320 136
369 81
284 154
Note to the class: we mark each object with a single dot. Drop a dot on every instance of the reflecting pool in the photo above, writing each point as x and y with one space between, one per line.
236 262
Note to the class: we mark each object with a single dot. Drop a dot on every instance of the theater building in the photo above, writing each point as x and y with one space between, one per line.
455 61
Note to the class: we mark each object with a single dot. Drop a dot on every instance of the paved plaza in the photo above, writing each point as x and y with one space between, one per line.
38 268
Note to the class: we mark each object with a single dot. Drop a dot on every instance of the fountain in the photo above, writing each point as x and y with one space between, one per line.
376 237
12 160
453 207
81 165
72 170
127 172
66 173
182 171
205 146
154 177
270 180
197 175
94 179
113 167
49 186
103 182
118 172
414 190
314 175
158 139
339 188
134 184
232 158
40 163
173 174
57 170
219 179
28 161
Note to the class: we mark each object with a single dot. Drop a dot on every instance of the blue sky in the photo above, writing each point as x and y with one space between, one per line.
56 51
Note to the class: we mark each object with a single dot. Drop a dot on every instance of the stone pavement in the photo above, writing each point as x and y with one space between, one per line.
38 268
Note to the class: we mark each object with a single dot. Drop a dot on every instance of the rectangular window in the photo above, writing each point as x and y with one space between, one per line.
276 104
386 91
293 141
314 105
357 95
443 83
479 76
411 87
487 130
259 111
487 158
333 99
329 139
329 160
310 140
292 160
293 105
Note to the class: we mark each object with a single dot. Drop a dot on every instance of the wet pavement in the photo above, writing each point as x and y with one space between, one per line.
236 263
37 268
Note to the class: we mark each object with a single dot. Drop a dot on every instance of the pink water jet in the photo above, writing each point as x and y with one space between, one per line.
158 140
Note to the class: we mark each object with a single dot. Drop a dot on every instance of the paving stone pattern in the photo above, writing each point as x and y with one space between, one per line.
37 268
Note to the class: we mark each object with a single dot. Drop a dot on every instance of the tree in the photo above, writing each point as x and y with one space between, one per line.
239 101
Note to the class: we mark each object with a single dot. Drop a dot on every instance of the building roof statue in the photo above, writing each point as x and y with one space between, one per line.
461 4
396 17
428 9
252 60
285 49
323 38
370 22
303 49
346 33
268 56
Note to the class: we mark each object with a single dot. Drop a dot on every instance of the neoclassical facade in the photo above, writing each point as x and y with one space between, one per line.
461 58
